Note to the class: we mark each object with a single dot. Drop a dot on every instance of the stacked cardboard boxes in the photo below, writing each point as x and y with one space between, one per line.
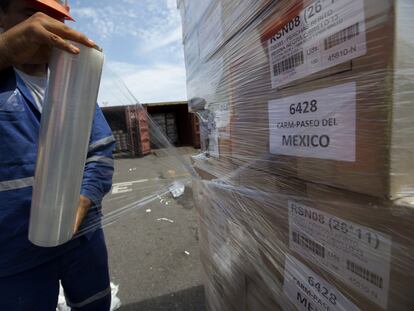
361 245
350 120
317 212
207 27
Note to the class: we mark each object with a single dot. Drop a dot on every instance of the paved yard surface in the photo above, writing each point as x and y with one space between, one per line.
153 249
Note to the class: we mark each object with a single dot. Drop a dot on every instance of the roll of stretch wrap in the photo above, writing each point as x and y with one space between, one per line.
67 117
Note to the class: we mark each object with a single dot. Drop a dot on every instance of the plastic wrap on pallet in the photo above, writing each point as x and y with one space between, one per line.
207 27
303 246
306 181
148 171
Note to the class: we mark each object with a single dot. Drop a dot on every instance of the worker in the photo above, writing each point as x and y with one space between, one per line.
30 275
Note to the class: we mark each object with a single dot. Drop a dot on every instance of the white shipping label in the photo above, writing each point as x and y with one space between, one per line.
310 292
222 116
358 255
217 126
318 124
324 34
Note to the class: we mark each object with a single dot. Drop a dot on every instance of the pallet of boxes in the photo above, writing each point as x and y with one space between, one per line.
306 189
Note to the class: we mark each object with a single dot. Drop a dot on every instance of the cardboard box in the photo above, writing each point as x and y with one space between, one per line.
385 250
251 82
361 245
347 125
368 151
215 22
259 298
224 267
209 168
208 26
235 16
229 252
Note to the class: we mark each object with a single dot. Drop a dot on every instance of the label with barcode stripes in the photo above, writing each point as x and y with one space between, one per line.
308 244
358 255
318 124
310 292
364 273
289 63
341 36
324 34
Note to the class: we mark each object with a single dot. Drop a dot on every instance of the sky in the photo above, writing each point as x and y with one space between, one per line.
142 42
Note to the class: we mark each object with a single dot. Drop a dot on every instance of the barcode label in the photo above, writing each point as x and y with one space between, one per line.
309 291
314 41
342 36
359 256
289 63
365 274
308 244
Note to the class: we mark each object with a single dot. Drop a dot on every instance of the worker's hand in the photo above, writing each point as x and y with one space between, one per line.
31 41
83 207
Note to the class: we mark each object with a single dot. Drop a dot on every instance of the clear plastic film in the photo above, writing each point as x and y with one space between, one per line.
148 170
305 197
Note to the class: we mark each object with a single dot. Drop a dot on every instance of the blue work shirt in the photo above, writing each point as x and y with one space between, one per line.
19 131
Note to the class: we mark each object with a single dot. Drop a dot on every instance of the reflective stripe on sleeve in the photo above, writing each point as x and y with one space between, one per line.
100 159
101 142
91 299
16 184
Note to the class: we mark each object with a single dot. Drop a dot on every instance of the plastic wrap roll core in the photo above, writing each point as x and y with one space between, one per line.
67 117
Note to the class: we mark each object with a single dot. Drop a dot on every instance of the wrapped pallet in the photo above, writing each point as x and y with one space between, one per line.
306 190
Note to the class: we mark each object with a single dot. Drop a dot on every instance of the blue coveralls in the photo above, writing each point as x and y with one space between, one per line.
29 274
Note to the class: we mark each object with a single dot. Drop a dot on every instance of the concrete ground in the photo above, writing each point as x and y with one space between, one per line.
153 247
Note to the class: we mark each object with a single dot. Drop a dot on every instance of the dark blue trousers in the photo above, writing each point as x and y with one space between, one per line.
83 272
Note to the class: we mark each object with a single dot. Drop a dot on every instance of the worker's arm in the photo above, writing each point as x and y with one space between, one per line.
99 168
30 41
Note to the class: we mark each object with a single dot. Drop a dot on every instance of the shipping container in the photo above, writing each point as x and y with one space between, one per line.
175 122
132 129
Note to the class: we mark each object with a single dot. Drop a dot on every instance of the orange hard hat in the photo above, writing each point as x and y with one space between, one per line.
60 7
